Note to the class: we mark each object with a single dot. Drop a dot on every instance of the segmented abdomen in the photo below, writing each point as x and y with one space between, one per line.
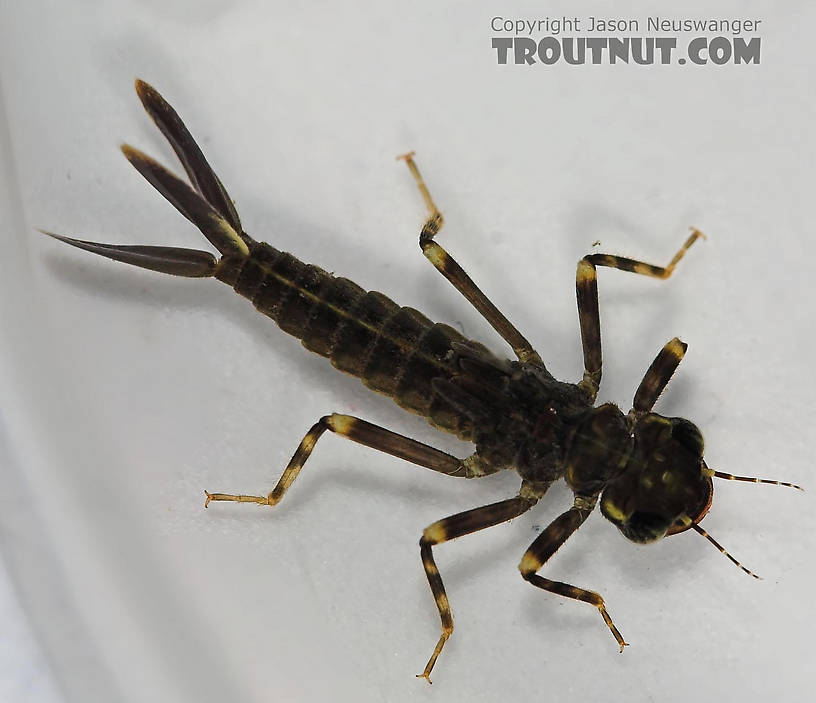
394 350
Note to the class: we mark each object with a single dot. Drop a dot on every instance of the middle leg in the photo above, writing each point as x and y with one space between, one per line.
456 526
586 287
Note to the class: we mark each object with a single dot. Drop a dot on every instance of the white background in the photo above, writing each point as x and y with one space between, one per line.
124 394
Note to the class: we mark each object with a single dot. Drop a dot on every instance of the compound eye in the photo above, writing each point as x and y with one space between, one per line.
687 434
645 527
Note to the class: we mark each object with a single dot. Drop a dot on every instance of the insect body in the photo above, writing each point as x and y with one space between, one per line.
646 470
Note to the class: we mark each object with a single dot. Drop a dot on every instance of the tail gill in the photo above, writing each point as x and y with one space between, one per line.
206 203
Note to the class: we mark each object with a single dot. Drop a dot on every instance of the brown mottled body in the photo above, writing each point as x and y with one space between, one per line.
393 350
646 470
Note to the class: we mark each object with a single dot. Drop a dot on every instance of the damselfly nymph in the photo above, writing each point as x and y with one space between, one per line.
646 470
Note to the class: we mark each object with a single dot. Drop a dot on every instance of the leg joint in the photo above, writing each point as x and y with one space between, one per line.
431 227
437 256
433 534
338 423
586 270
528 565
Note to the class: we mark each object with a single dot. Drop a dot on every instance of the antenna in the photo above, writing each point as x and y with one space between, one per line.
751 479
722 550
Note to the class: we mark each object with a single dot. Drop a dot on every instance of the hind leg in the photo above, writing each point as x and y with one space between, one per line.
372 436
451 270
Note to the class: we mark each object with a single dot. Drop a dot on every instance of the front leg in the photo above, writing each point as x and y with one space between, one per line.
547 543
451 270
658 375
